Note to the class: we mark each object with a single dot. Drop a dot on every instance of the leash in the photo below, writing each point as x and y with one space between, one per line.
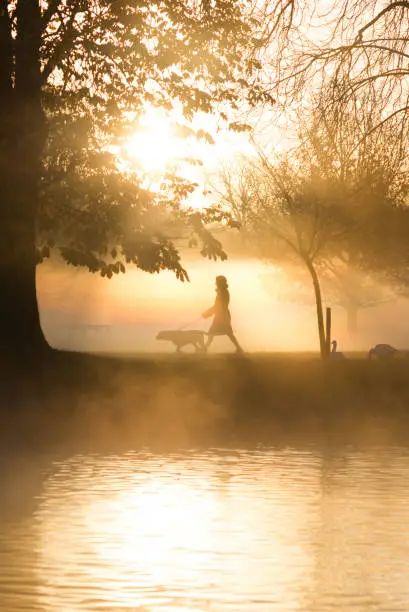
189 323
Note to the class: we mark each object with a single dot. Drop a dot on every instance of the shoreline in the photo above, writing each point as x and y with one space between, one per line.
162 399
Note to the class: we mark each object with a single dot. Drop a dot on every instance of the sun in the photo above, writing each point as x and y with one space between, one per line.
157 143
162 142
154 145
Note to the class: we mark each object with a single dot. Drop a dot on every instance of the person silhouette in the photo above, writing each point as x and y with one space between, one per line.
221 325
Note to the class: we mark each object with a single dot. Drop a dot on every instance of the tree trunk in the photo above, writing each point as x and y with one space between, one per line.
22 136
318 303
20 330
352 319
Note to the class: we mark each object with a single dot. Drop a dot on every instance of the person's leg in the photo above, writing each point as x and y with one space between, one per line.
233 339
210 339
200 345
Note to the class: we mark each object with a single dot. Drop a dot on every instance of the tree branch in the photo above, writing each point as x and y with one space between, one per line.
390 7
50 12
376 45
67 39
377 126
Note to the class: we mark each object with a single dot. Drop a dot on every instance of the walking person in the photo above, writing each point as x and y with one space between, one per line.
221 325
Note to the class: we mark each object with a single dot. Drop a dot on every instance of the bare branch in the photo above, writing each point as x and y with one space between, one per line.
387 9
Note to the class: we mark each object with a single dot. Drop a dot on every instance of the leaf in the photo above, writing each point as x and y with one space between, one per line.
117 61
240 127
203 135
183 131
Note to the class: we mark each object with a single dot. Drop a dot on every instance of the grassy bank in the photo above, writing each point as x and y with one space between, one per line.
193 399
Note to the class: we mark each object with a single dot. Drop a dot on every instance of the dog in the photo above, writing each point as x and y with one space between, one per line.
181 338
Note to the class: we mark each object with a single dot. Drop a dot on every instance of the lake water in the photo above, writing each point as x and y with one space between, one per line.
281 529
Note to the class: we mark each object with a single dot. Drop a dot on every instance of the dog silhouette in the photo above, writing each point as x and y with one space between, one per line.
181 338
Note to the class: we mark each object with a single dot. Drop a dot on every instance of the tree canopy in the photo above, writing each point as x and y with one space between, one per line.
94 66
75 76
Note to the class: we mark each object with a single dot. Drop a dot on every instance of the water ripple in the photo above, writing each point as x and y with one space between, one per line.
220 530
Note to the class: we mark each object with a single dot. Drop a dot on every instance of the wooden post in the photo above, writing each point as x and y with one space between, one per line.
328 331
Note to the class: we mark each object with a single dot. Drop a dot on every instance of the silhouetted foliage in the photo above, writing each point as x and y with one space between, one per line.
99 216
74 76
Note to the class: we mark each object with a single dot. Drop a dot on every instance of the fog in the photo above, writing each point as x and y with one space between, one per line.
84 312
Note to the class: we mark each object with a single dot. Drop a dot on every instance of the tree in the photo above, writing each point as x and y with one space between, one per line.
295 216
371 168
350 289
97 63
358 47
354 290
333 211
99 216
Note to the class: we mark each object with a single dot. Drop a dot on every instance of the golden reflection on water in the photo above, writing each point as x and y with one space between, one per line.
170 531
217 530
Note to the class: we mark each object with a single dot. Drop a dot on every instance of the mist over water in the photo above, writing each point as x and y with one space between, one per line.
300 527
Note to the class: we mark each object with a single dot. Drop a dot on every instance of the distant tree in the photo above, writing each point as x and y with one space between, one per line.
235 186
349 289
94 65
354 290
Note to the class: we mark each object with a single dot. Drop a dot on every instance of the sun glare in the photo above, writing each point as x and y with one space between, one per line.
153 146
157 146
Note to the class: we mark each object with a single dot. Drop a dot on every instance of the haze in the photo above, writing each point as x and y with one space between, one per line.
77 306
